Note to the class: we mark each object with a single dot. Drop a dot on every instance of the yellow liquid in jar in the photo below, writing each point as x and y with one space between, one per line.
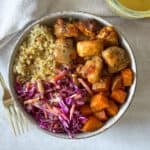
139 5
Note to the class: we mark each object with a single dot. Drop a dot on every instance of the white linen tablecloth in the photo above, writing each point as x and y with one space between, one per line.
132 132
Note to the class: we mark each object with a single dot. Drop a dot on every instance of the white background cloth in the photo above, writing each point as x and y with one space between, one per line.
14 14
132 132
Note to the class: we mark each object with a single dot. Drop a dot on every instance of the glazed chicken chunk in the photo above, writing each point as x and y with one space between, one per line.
87 27
92 69
109 36
116 58
89 48
64 29
64 51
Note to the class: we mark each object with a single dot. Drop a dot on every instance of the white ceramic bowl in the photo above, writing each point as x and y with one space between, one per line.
49 19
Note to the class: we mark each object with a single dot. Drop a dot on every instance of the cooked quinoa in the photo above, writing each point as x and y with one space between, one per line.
35 59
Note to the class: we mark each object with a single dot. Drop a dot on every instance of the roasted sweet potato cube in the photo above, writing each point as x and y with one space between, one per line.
119 96
86 110
99 102
101 115
102 85
113 108
117 83
92 124
127 76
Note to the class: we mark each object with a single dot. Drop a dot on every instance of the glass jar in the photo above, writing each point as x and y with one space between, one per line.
126 12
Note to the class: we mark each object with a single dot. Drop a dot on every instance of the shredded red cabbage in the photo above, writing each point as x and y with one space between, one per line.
58 111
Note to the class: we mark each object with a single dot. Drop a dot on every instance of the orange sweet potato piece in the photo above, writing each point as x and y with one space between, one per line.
99 102
127 76
101 115
119 96
102 85
92 124
86 110
117 83
112 109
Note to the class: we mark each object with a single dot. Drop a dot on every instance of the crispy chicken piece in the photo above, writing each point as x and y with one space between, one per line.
92 69
81 37
109 36
64 29
87 27
116 58
103 85
64 51
89 48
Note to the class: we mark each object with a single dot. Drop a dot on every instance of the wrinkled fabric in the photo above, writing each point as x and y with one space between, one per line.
132 132
14 14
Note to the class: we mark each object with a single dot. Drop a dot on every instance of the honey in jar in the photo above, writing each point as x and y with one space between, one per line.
139 5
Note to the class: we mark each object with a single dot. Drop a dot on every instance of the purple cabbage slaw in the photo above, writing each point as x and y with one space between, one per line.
63 98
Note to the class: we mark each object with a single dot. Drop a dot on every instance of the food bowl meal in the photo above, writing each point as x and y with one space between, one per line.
73 74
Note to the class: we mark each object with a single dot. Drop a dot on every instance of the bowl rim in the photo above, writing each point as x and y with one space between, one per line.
127 12
75 14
